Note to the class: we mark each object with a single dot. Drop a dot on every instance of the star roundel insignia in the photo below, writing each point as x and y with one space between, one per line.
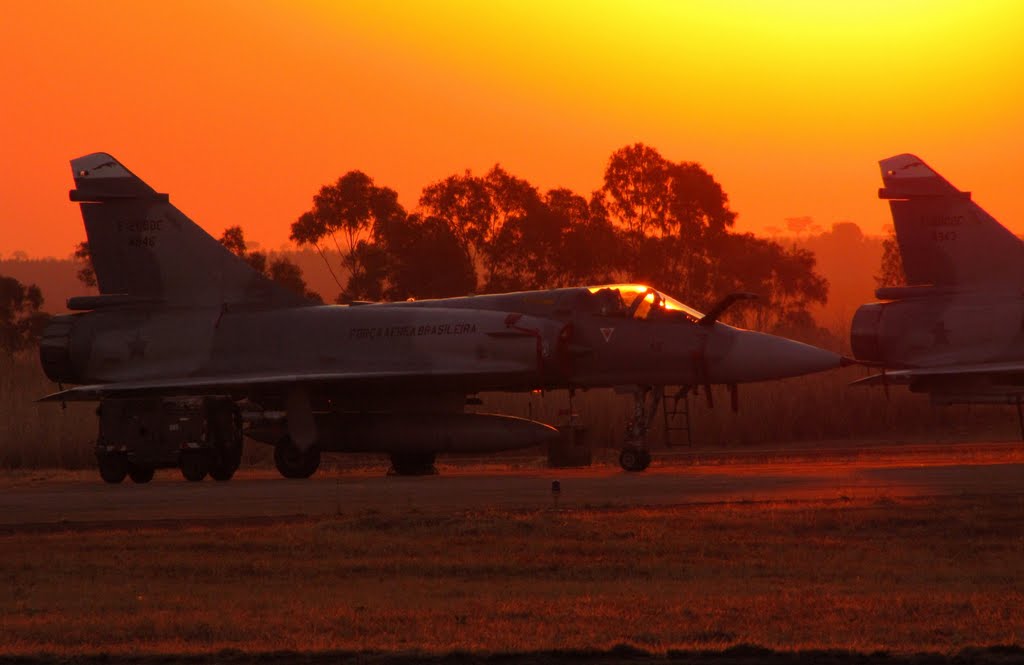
607 333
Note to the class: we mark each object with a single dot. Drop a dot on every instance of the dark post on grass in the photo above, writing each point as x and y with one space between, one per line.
556 489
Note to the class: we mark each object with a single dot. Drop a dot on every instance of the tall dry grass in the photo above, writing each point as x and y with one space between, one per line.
798 411
33 434
808 409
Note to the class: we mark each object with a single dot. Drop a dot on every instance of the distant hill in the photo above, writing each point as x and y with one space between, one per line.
57 278
849 260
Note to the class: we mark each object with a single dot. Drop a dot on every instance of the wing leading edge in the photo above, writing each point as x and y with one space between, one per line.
196 385
904 376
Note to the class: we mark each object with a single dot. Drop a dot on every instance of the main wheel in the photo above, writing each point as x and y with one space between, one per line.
141 474
294 463
195 465
113 468
412 464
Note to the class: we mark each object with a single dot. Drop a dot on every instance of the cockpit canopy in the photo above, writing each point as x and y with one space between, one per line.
641 302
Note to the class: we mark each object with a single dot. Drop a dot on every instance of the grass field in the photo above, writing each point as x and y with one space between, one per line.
902 576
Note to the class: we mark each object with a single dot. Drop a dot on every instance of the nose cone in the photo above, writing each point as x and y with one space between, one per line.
755 356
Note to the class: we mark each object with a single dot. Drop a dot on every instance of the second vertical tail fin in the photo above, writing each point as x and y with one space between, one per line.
945 238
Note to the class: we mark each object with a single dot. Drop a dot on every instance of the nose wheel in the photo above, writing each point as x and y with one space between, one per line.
633 458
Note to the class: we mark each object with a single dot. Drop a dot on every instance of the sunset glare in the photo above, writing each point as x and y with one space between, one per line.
241 111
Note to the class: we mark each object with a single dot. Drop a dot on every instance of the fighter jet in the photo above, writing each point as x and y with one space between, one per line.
955 331
187 348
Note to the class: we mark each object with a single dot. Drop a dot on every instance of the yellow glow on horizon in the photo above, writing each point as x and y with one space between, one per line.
788 104
729 62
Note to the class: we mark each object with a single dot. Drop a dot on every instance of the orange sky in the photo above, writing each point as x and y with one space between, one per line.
242 110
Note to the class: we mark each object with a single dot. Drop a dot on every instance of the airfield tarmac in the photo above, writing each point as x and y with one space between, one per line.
839 552
761 476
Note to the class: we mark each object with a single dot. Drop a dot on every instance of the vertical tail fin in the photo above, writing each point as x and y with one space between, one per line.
945 238
141 245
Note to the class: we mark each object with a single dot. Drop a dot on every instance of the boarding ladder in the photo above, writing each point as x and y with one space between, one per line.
676 411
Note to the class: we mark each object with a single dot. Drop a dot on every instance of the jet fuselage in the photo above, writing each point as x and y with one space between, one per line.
522 341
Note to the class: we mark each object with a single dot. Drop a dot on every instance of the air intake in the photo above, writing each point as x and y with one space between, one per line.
55 349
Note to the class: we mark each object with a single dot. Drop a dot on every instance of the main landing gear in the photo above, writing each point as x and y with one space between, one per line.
292 462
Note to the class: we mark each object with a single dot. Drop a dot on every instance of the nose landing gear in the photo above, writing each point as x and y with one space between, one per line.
635 456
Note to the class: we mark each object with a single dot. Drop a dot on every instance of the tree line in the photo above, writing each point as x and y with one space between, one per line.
653 221
21 317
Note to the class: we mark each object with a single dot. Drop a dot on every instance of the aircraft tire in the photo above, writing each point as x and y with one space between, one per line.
634 459
113 468
412 464
294 463
141 474
195 465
